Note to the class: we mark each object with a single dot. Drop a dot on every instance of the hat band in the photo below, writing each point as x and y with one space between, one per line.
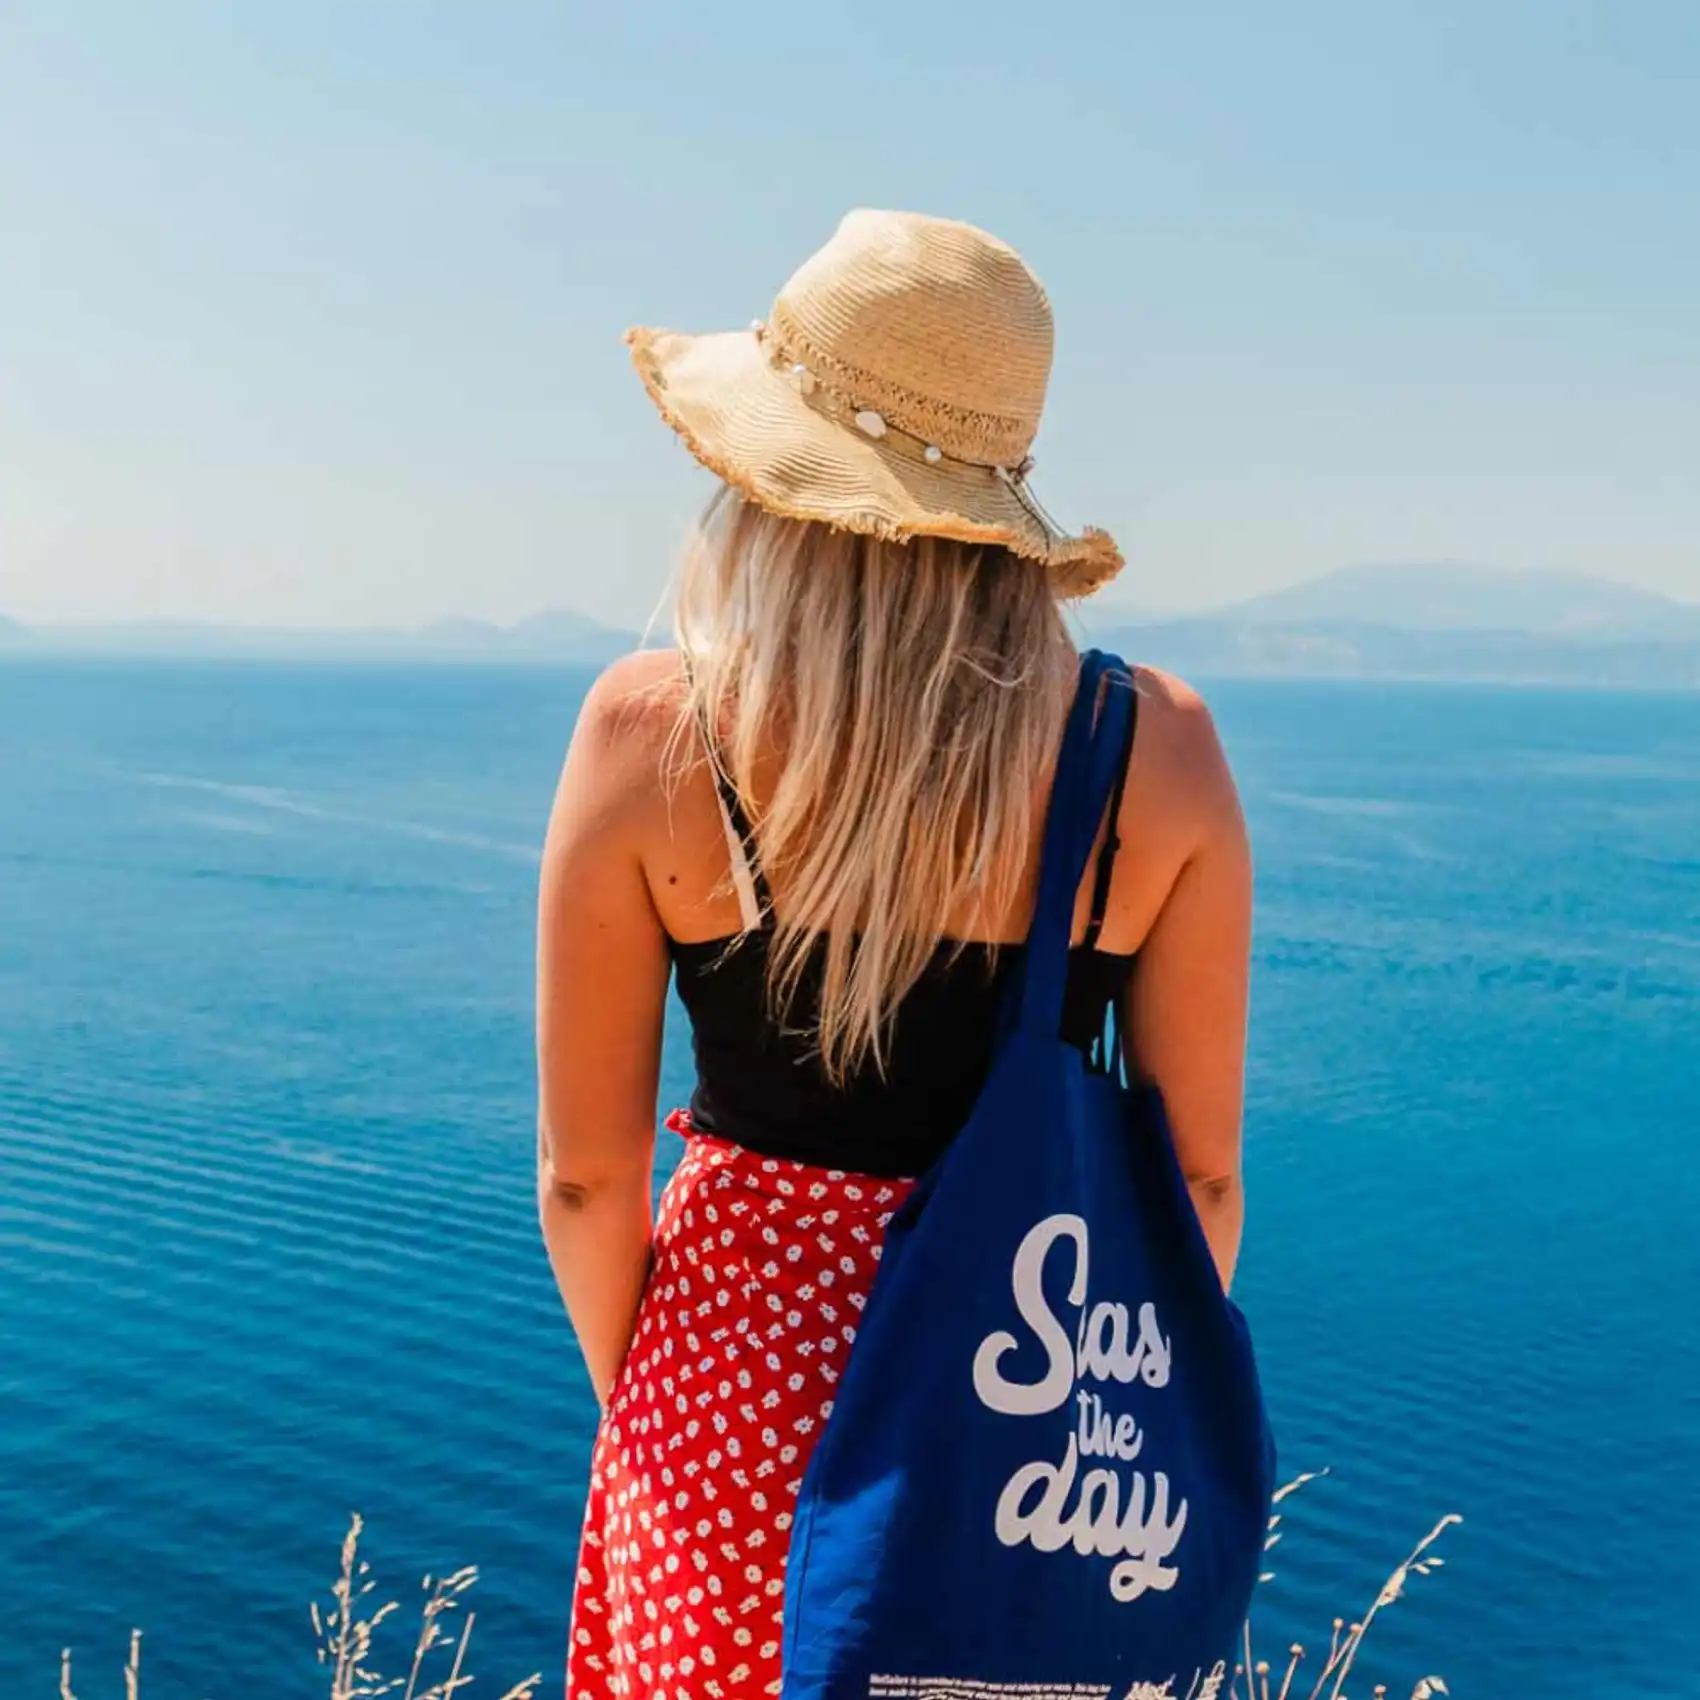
824 397
965 434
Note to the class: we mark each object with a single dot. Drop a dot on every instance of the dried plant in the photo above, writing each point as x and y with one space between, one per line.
346 1633
1346 1640
443 1594
345 1636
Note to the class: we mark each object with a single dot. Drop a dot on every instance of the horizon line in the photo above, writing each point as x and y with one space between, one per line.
1127 609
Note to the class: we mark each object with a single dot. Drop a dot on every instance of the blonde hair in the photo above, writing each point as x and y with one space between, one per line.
913 694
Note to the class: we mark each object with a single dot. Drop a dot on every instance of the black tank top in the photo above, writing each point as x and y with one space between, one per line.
762 1085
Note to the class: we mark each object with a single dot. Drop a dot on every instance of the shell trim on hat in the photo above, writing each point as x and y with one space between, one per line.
844 405
981 439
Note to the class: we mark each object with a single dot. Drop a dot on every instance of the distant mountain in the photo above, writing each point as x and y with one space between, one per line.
1343 649
1435 622
554 636
558 631
13 635
1450 597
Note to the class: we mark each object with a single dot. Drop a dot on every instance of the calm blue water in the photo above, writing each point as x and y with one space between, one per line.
267 1249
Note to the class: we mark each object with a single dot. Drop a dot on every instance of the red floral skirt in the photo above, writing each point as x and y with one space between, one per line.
761 1270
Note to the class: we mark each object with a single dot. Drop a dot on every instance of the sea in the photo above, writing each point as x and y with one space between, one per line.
268 1252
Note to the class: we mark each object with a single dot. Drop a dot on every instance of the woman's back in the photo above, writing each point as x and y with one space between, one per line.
760 1078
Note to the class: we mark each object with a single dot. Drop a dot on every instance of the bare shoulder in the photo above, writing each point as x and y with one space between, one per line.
1178 719
1175 704
630 714
620 743
1178 755
635 699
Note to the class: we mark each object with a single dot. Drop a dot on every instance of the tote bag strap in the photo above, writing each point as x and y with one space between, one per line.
1093 745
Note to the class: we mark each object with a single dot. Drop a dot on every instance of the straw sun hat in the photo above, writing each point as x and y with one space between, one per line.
894 388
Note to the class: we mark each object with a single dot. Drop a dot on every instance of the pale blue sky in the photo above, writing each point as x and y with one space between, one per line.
310 311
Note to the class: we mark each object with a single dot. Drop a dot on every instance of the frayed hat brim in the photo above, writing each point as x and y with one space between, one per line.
750 424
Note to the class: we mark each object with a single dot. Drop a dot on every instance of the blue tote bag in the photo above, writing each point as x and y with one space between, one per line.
1047 1472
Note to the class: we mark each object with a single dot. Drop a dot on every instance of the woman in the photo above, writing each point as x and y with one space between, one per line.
821 814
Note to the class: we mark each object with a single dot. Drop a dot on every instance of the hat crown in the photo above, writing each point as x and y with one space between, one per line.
940 327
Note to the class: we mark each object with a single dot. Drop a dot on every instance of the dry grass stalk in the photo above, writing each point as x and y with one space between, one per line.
1346 1639
1392 1589
447 1690
443 1593
132 1670
346 1631
345 1637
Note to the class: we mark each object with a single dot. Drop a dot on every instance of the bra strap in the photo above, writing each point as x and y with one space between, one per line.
755 901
